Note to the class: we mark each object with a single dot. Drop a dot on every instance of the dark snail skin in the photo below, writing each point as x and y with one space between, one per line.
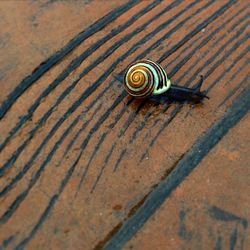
182 94
177 93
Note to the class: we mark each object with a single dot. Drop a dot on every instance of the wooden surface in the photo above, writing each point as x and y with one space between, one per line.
84 166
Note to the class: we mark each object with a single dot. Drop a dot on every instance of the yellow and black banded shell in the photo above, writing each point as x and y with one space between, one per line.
145 78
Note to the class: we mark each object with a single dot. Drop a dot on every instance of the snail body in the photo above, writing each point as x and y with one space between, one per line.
145 78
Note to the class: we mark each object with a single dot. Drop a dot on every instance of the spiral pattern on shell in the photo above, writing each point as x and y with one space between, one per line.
145 78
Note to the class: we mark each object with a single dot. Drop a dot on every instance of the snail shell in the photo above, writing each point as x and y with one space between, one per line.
144 78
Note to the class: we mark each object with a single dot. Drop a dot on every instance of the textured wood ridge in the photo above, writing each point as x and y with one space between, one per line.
84 166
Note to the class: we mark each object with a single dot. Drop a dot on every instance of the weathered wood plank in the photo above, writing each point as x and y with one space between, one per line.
79 157
220 219
35 18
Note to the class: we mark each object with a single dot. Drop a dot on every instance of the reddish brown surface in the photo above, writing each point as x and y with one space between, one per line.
54 213
31 31
192 218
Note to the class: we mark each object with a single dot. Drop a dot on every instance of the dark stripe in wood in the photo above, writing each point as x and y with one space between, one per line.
121 133
203 43
73 66
85 94
174 29
222 215
86 168
71 143
190 161
206 75
70 172
119 159
16 203
242 83
66 114
155 44
76 104
171 31
137 45
166 123
7 241
99 143
238 58
21 174
27 166
58 56
181 52
198 29
207 39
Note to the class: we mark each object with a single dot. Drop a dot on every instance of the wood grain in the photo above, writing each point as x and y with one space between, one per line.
83 165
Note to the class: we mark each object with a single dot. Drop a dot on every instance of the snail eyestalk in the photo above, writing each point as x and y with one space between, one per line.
194 94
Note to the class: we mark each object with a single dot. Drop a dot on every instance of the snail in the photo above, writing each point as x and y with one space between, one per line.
147 79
